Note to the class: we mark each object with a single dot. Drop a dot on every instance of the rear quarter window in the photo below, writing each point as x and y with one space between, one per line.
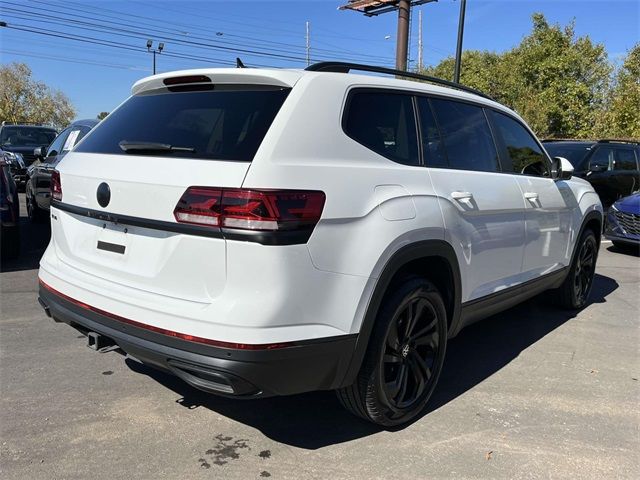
383 122
217 125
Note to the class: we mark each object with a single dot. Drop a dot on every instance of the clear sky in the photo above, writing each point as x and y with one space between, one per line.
270 33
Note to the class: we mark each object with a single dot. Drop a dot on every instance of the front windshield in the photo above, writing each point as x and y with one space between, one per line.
575 153
26 136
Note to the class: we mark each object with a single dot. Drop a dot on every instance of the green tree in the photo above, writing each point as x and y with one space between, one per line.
23 99
102 115
556 81
622 118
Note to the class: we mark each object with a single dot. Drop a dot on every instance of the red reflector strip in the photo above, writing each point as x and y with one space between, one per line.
163 331
56 186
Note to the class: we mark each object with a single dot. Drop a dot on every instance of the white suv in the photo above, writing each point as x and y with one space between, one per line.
268 232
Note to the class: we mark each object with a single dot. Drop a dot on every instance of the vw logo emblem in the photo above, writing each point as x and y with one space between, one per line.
405 350
103 194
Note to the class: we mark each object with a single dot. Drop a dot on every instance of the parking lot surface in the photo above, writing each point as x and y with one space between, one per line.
534 392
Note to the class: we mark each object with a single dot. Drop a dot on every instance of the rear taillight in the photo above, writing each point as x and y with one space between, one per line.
56 186
244 209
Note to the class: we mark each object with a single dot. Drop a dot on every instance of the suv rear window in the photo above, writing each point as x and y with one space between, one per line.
217 125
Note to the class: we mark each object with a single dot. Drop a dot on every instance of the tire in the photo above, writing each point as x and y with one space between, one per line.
574 292
10 243
399 373
35 213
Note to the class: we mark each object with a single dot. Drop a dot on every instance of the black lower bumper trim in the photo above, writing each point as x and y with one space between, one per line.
313 365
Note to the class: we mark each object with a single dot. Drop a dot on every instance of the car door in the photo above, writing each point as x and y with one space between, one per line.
483 209
600 173
551 209
625 177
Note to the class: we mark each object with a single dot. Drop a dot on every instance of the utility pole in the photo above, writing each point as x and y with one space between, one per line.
308 47
372 8
402 40
419 40
154 51
456 73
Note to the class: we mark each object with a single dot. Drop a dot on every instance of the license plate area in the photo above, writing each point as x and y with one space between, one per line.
111 247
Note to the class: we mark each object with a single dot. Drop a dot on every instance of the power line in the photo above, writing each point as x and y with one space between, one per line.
225 45
141 34
118 16
70 60
112 44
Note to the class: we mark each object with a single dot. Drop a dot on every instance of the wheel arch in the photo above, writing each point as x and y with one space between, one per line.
412 259
594 221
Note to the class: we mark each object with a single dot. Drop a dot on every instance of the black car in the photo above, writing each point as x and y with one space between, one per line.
611 166
39 173
18 141
9 213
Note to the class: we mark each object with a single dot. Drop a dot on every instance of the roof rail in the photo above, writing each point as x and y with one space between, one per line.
618 140
39 124
553 139
345 67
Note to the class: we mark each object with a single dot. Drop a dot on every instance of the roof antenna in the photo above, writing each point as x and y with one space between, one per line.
239 63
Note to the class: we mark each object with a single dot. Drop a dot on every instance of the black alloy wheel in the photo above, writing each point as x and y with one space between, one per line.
404 357
409 355
574 292
584 271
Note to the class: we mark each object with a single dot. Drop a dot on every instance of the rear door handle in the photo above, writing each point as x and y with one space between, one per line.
533 196
461 195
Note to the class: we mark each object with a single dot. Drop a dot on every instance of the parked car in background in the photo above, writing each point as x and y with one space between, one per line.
623 221
611 166
18 141
9 213
39 172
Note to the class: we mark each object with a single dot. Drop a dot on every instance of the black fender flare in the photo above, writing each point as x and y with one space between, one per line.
404 255
592 215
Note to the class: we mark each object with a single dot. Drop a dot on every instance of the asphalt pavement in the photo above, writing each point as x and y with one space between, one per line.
534 392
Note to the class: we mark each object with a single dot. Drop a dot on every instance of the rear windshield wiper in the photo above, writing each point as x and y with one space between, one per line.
152 147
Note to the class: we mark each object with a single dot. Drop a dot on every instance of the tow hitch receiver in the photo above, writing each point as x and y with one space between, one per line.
98 342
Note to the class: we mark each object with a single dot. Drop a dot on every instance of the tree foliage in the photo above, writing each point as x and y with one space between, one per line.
102 115
23 99
559 83
622 118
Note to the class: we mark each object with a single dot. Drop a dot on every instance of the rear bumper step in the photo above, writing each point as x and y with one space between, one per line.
306 366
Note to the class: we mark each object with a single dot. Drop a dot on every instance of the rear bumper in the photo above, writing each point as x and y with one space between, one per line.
299 367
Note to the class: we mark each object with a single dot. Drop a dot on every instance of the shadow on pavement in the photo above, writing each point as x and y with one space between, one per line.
34 238
315 420
632 250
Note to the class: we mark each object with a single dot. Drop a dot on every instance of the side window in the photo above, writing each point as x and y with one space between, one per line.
56 146
601 160
432 148
625 159
527 158
384 123
466 136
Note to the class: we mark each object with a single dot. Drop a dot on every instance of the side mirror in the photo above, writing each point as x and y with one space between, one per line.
40 153
598 167
561 168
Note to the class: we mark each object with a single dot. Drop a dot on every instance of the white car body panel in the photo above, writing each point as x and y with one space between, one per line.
245 292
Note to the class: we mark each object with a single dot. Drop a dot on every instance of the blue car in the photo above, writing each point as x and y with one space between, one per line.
623 221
